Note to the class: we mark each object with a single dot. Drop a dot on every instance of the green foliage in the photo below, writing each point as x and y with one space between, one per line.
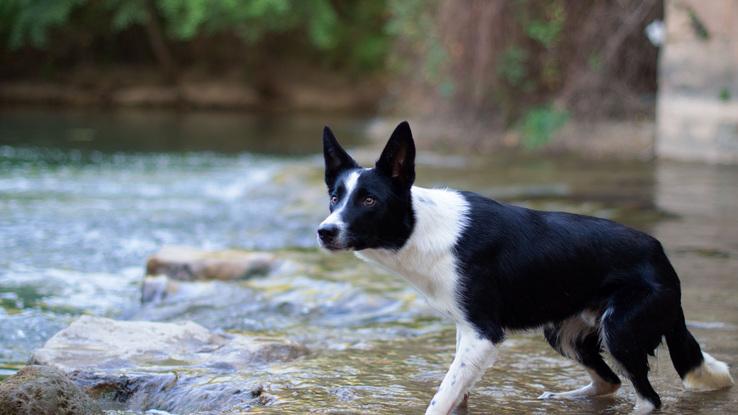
724 95
530 66
359 36
595 61
699 28
512 67
547 30
26 22
351 32
414 22
185 18
540 124
126 13
322 22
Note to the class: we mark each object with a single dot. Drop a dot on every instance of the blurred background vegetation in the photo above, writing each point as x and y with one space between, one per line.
524 65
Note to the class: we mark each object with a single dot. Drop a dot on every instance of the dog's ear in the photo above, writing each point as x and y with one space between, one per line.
398 157
336 158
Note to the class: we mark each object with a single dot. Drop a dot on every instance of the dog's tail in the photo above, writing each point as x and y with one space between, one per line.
699 371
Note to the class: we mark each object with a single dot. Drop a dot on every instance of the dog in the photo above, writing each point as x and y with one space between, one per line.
592 284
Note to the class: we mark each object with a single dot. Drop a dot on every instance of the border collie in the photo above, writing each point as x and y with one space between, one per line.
593 285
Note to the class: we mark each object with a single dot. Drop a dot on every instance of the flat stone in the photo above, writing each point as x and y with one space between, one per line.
189 264
175 367
44 390
102 343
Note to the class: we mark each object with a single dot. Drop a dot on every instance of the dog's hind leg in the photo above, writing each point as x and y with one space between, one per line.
474 355
580 342
631 330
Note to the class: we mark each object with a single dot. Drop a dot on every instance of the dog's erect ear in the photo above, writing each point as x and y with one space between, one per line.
336 158
398 157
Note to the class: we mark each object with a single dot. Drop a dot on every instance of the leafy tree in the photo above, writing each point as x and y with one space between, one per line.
27 22
339 31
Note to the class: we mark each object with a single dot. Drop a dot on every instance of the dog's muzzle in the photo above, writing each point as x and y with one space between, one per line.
328 236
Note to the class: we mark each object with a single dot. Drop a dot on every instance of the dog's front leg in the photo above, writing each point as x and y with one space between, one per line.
474 354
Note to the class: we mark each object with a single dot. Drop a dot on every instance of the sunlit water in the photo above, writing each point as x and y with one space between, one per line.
85 198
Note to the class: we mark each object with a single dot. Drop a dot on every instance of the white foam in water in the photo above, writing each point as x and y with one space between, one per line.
76 229
26 331
235 188
96 292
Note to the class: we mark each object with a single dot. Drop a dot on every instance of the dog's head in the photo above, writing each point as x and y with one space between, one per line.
370 207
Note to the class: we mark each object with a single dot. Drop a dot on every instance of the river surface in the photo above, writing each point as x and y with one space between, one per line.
86 197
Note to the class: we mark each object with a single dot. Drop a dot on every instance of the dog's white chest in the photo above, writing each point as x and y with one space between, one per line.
427 260
435 278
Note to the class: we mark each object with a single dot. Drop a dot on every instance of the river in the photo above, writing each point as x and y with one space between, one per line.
86 197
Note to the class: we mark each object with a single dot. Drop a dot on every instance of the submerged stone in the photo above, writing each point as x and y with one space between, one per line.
189 264
175 367
44 390
172 392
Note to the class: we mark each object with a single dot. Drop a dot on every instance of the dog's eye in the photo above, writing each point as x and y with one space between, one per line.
369 201
334 200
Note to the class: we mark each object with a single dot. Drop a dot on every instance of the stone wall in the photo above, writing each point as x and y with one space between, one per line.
697 110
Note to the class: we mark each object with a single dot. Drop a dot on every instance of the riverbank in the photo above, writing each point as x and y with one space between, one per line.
599 139
218 109
300 88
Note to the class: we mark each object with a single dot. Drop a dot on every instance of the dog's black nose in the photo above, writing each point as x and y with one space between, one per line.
327 233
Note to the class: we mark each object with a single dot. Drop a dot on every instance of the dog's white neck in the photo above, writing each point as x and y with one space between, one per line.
427 260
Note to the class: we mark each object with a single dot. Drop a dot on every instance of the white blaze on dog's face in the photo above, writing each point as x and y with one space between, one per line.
332 231
370 208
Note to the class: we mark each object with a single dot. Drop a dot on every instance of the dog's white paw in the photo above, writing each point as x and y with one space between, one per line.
548 395
643 407
593 389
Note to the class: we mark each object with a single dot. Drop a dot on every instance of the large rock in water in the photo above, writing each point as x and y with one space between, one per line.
169 270
188 264
175 367
43 390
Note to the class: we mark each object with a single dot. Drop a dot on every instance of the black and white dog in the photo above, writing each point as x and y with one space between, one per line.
590 283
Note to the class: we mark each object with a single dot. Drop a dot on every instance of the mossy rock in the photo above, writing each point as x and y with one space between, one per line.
43 390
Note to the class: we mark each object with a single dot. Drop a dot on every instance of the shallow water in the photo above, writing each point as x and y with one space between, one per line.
86 197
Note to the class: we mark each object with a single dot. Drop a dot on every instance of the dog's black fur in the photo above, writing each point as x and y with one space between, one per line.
389 223
523 268
520 268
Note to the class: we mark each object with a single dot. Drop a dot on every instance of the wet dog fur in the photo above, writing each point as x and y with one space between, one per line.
592 284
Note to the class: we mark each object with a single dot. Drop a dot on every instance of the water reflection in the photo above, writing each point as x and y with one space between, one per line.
152 131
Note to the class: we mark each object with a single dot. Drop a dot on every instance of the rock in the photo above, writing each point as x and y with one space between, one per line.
156 288
209 294
172 392
102 343
43 390
175 367
188 264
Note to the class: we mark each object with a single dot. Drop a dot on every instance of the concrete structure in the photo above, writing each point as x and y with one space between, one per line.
697 111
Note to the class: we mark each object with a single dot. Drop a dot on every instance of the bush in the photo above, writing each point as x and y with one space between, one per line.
348 34
539 124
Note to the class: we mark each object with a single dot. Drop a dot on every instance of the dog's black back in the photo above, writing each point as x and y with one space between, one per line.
591 283
523 268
